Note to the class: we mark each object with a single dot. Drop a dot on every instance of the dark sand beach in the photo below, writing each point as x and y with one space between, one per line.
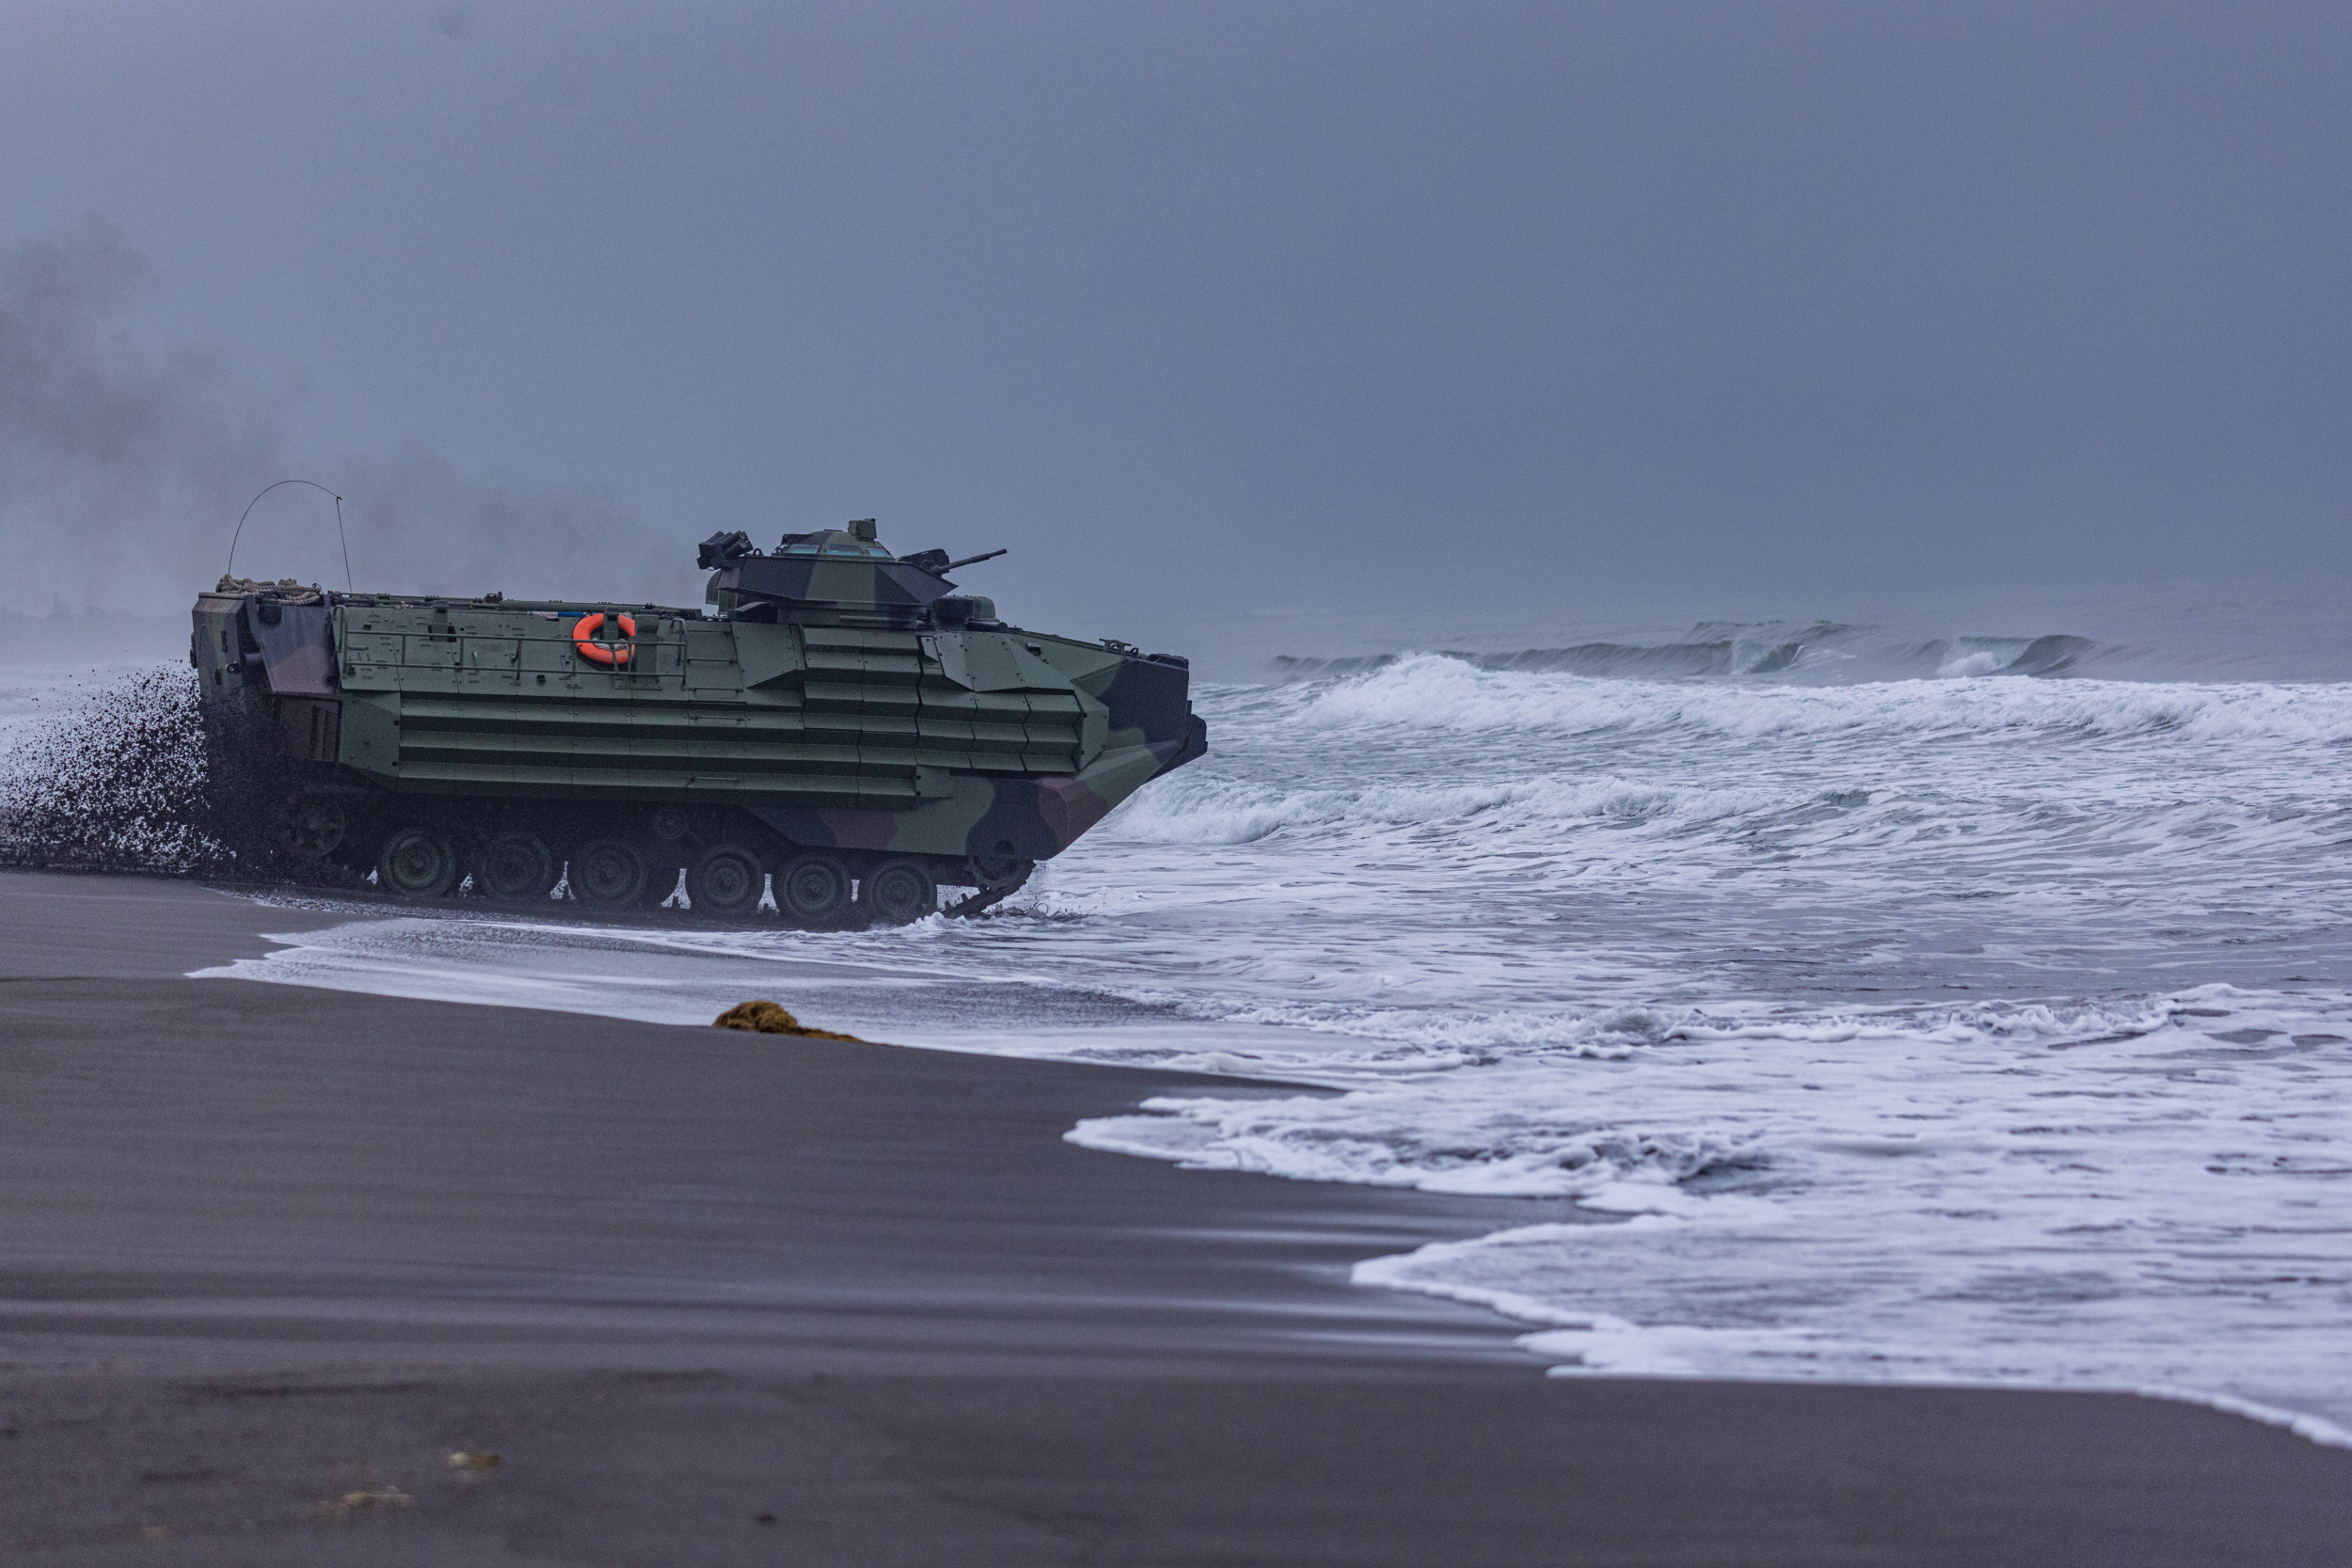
270 1255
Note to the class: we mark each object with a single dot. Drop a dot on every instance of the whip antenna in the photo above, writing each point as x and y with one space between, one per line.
339 537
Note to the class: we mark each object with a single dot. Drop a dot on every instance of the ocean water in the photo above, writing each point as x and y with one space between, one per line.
1914 1009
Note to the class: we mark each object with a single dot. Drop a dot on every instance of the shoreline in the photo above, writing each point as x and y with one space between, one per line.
728 1111
1521 1320
275 1242
1537 1319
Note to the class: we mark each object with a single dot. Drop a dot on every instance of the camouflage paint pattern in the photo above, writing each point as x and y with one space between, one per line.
843 698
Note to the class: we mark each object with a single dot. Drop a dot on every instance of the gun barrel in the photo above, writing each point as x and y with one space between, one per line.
976 559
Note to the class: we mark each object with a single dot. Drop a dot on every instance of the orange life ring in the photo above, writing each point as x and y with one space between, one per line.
588 625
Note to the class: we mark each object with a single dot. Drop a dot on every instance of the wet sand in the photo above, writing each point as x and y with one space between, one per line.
269 1255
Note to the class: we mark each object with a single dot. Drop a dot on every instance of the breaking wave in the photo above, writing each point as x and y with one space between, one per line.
1214 810
1439 691
1823 650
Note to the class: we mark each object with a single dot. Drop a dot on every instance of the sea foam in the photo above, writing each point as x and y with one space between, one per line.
1987 1029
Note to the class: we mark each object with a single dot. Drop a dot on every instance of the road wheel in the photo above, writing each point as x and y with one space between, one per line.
724 880
897 892
317 827
416 863
814 889
515 868
609 873
1002 867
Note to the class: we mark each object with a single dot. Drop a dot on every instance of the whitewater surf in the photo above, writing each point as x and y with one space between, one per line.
1964 1027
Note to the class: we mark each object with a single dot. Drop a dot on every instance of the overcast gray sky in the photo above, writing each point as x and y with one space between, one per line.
1192 305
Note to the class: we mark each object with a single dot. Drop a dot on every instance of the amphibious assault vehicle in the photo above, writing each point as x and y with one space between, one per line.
839 728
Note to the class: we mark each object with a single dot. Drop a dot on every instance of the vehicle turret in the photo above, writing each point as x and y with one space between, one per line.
838 577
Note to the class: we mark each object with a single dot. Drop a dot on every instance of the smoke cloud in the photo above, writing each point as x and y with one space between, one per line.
123 471
113 463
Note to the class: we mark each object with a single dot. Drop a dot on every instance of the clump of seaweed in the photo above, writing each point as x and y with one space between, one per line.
120 782
770 1018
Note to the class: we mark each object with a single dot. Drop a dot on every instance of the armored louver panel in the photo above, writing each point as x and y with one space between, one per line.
503 701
